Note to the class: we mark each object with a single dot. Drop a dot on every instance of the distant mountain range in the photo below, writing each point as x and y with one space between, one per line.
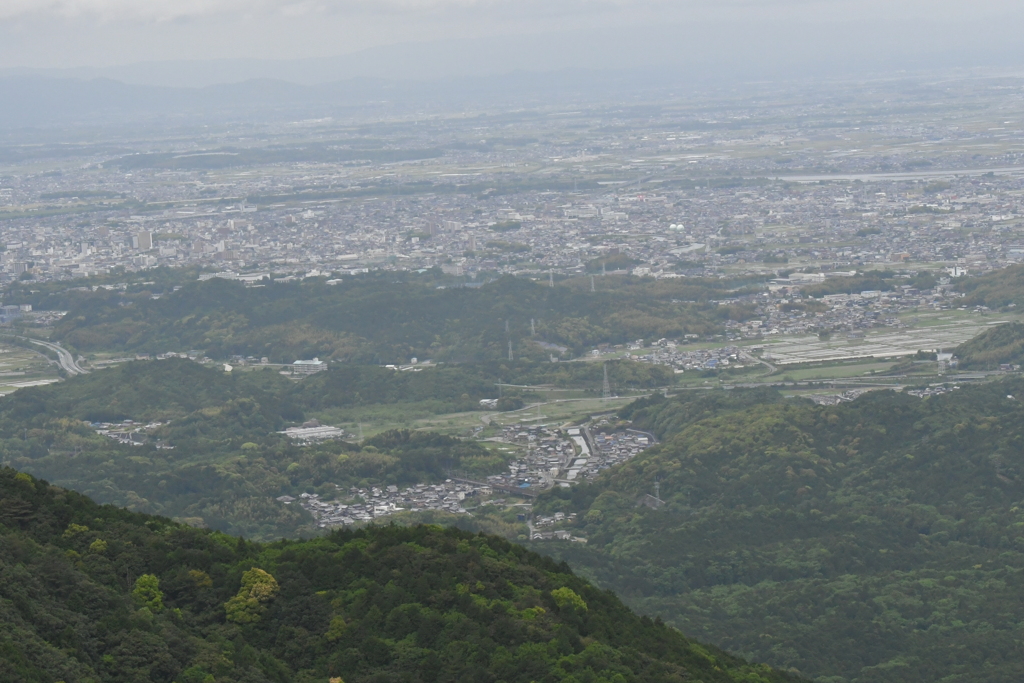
505 71
47 101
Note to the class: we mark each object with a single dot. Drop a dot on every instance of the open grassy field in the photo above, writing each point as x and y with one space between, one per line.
374 419
22 367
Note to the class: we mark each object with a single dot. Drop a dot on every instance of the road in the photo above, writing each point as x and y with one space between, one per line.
747 357
64 357
526 493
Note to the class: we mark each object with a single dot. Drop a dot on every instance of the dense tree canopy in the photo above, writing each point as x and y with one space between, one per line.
993 347
875 541
999 289
378 320
96 593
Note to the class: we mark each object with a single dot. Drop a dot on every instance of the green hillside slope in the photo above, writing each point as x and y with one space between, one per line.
216 458
997 345
998 289
377 320
878 540
96 593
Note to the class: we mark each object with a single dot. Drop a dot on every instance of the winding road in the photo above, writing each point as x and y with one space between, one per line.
771 368
64 357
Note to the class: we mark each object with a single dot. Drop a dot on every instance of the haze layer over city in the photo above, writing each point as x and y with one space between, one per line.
917 172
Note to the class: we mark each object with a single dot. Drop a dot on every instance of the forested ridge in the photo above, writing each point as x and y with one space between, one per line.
97 593
375 319
1000 289
993 347
880 540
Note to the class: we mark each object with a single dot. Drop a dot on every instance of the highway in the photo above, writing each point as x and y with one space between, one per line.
64 357
747 357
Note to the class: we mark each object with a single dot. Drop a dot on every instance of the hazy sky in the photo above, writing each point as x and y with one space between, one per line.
74 33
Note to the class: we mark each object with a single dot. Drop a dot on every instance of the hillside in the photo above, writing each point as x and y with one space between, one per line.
458 387
999 289
374 319
875 541
993 347
96 593
212 453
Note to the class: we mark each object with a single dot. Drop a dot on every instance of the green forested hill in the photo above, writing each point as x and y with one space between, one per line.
998 289
96 593
997 345
875 541
159 390
377 320
227 462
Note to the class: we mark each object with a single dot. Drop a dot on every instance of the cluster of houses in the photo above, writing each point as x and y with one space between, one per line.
547 452
366 505
312 431
551 458
542 528
668 352
557 457
614 448
932 391
785 311
835 399
130 433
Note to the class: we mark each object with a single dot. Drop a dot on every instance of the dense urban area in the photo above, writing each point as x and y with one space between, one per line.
668 191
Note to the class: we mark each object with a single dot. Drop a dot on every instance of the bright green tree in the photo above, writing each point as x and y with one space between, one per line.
258 588
147 593
567 597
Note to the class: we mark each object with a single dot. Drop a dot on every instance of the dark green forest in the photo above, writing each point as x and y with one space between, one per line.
92 593
377 319
993 347
1001 289
876 541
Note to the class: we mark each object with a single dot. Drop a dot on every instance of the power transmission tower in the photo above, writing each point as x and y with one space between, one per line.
592 283
606 388
657 489
551 278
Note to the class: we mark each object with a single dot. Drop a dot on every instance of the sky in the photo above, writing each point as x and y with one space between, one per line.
894 34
